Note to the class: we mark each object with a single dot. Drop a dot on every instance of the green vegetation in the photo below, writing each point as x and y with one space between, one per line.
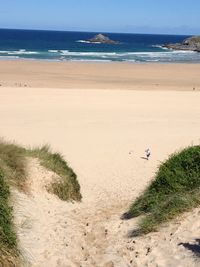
66 188
12 163
8 242
13 173
176 189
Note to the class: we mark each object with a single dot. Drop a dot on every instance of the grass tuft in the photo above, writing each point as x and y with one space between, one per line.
66 188
176 189
8 239
13 173
12 163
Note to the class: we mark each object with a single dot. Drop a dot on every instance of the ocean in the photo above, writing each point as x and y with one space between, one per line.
73 46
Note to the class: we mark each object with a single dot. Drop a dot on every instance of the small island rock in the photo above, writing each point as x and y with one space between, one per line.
100 38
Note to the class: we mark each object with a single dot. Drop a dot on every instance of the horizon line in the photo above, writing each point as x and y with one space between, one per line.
109 32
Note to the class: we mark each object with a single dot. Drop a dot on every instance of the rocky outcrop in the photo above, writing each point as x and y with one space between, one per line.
100 38
191 44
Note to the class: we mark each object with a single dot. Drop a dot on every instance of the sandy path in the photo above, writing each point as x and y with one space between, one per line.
96 130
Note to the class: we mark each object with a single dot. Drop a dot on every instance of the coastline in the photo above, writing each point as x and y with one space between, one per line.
100 75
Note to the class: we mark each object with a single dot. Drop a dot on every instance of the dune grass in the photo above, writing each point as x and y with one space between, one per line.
12 163
66 188
13 173
175 189
8 243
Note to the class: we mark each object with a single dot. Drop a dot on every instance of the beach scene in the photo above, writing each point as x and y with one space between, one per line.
99 134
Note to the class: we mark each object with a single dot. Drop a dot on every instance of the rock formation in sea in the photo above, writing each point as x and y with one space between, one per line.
191 44
100 38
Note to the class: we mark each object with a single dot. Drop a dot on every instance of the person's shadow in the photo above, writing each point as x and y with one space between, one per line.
144 158
195 248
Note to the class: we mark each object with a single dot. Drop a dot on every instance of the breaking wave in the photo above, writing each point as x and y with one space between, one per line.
164 55
19 52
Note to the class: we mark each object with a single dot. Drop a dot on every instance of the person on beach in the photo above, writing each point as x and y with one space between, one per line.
148 153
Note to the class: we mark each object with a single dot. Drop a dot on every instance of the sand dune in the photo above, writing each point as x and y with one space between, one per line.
96 130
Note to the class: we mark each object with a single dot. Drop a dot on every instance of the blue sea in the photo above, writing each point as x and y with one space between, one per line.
73 46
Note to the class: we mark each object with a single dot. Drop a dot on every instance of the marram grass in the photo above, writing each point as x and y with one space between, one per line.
175 189
67 188
13 173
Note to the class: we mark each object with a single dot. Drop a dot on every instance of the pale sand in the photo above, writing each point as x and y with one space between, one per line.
95 130
100 75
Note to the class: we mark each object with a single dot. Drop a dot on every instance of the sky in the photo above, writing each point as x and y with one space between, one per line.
134 16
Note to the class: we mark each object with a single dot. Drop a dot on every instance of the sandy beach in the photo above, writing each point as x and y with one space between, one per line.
103 135
81 75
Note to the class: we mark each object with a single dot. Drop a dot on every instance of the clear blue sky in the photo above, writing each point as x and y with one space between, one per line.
145 16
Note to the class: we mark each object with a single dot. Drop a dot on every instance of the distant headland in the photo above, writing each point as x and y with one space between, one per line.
191 44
